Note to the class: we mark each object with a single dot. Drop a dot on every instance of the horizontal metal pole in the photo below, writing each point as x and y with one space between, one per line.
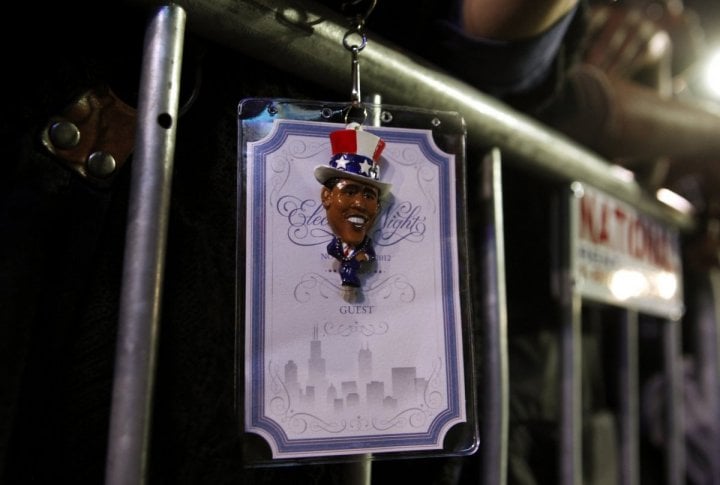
305 39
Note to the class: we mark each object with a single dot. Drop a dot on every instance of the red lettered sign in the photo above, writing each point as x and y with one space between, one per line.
624 257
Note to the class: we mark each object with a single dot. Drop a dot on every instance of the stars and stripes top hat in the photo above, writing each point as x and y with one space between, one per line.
355 155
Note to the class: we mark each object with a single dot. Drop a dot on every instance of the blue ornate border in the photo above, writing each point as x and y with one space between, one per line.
257 216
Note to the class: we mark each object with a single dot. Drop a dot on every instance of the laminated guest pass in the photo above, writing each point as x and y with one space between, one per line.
355 327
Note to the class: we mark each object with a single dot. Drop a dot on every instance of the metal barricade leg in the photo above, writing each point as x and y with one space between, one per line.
628 390
709 363
495 405
675 447
145 248
570 457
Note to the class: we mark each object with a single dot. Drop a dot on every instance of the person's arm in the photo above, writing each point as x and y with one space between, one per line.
511 19
515 50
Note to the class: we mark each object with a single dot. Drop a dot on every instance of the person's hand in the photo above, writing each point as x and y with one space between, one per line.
624 40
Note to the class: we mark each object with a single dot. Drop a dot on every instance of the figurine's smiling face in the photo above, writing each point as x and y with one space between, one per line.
351 209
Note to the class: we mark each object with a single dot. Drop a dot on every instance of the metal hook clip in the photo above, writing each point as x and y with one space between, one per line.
359 30
355 70
356 111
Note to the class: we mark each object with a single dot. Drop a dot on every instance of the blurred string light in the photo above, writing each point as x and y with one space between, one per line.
626 284
666 285
712 74
674 200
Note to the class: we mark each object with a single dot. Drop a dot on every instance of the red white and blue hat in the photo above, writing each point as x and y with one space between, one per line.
355 155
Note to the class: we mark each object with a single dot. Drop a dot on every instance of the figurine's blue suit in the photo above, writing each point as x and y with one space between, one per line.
348 264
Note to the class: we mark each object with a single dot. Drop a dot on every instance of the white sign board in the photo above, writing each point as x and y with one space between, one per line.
623 257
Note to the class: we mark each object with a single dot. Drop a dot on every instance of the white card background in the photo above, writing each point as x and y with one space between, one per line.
331 371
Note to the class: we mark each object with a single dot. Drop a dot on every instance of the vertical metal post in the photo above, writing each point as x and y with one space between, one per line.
145 248
629 399
708 362
360 471
495 400
675 448
570 456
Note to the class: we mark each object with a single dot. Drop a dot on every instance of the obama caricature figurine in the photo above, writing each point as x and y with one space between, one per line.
351 195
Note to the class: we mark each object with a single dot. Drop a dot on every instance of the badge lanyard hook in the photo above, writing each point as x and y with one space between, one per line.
356 111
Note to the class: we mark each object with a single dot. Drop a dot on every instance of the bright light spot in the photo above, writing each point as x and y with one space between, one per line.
577 189
674 200
659 44
626 284
666 284
712 74
622 173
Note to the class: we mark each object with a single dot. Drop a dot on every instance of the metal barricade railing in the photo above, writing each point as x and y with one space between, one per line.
304 39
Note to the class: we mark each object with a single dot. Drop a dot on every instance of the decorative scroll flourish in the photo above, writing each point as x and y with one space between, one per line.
313 285
345 329
395 287
408 418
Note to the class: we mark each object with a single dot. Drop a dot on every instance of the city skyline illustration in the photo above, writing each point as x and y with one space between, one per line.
347 393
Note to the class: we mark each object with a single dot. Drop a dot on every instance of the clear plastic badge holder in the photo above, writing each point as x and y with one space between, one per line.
327 372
